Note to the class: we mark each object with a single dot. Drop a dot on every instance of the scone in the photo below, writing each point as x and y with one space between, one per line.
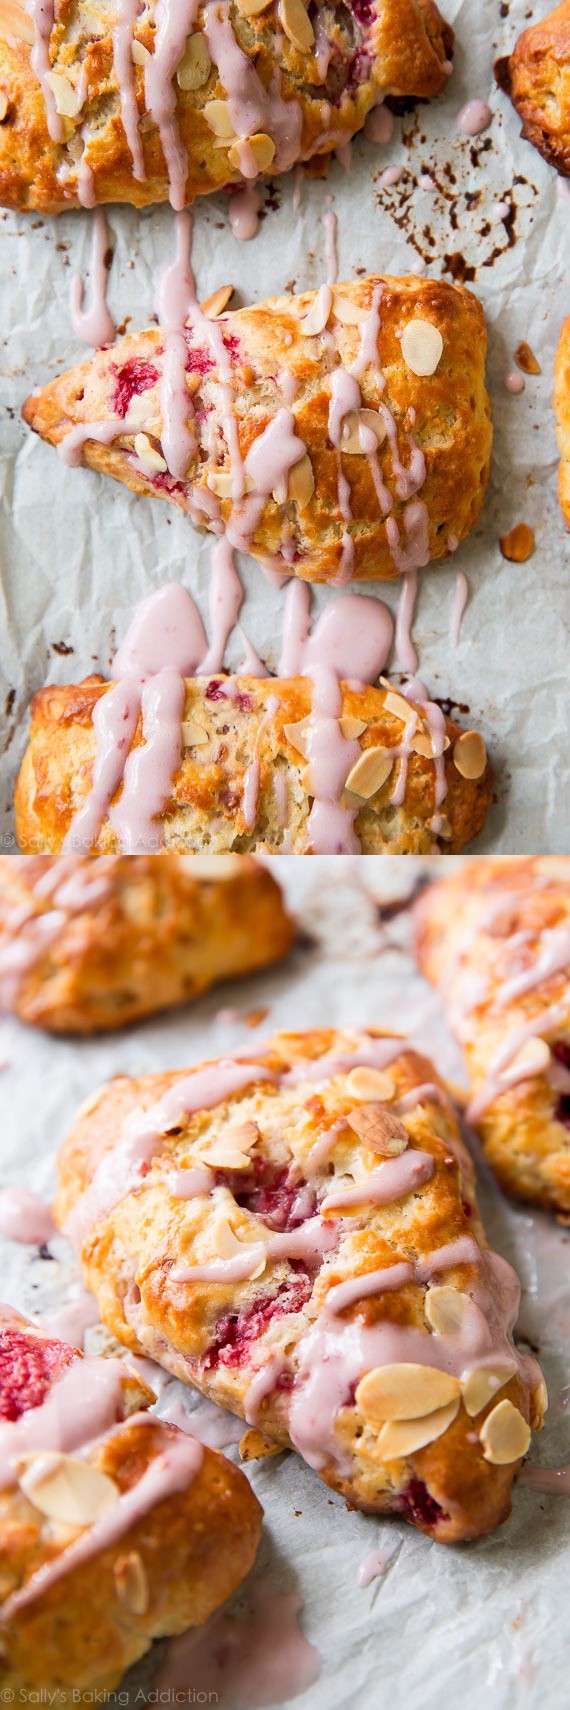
245 780
296 1233
115 1529
337 435
562 413
124 103
536 75
87 945
495 939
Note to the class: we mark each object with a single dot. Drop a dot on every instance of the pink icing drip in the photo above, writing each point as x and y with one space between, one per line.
185 1184
406 654
553 958
503 1073
273 454
252 107
226 596
175 21
313 1238
24 1217
361 1288
175 299
473 118
396 1177
551 1481
514 383
42 14
345 396
94 325
123 35
331 255
115 718
150 768
257 1660
379 127
84 1402
374 1566
86 184
244 213
460 598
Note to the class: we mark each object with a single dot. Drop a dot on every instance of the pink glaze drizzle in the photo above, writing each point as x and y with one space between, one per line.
42 14
460 598
94 325
473 118
260 1659
398 1176
244 213
24 1217
252 107
123 35
175 21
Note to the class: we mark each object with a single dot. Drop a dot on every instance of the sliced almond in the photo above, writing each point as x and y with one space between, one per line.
404 1436
481 1385
67 1489
539 1404
148 455
227 1246
470 754
139 53
504 1434
218 118
297 735
398 706
193 735
193 381
349 314
351 727
245 1134
195 66
301 483
3 106
422 347
255 1446
221 482
315 319
406 1391
369 772
68 100
446 1310
534 1055
296 23
422 744
262 148
252 8
378 1130
351 439
370 1084
222 1157
15 21
217 302
131 1583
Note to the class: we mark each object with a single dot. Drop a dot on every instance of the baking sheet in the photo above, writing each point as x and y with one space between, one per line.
77 552
484 1622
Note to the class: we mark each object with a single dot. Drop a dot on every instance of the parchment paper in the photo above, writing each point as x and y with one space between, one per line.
473 1625
78 552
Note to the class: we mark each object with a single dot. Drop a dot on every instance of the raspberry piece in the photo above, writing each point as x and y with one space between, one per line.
134 377
236 1332
28 1366
418 1505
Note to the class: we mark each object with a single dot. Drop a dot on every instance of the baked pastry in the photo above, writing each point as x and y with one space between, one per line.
244 782
376 464
297 1235
536 75
115 1529
87 945
495 939
562 412
140 104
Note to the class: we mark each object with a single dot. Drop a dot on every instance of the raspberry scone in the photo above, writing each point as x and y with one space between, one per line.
87 945
245 779
336 435
297 1235
495 939
562 413
536 75
128 102
115 1528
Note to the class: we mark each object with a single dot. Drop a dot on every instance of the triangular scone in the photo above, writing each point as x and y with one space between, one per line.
536 75
257 94
294 1230
562 413
267 388
115 1528
244 780
87 945
495 938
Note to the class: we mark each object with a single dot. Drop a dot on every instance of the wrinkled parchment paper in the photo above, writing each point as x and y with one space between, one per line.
77 552
473 1625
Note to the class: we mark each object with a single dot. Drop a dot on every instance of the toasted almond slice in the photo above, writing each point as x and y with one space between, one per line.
3 106
252 8
370 1084
193 735
351 727
220 481
222 1157
255 1446
15 21
446 1310
131 1583
481 1384
139 53
470 754
444 827
539 1405
218 118
350 314
148 455
406 1391
534 1055
422 347
193 380
398 706
404 1436
371 422
379 1130
504 1434
422 744
301 483
67 99
369 772
67 1489
264 149
296 23
315 319
195 66
297 735
244 1135
217 302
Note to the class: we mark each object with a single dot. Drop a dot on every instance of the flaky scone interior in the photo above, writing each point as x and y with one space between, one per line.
115 1528
294 1230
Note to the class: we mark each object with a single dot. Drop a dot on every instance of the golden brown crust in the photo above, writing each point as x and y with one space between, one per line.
271 1330
446 415
536 75
562 413
138 934
207 810
467 927
401 51
190 1551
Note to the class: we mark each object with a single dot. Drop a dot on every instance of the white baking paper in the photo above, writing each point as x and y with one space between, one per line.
473 1625
78 551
